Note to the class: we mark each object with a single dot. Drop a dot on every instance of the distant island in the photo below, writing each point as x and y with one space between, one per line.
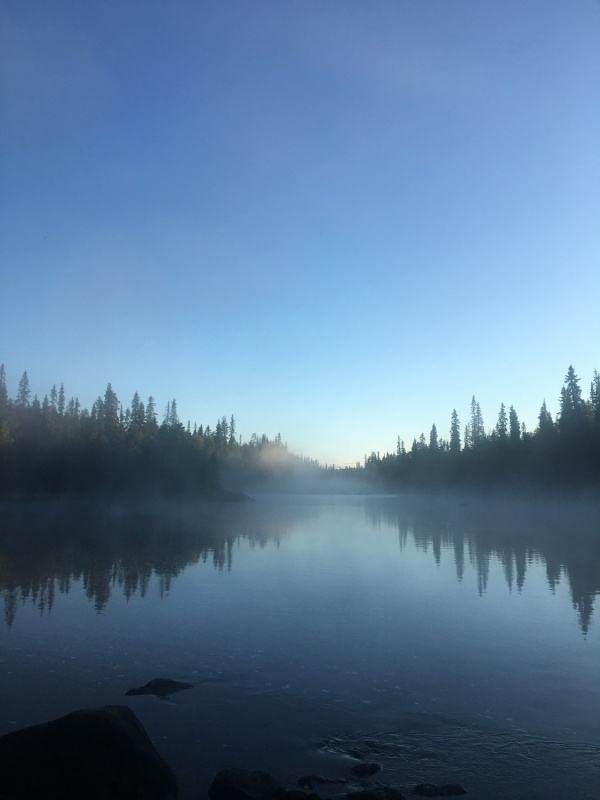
55 446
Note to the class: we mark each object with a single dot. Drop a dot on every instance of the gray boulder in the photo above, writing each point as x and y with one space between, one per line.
97 754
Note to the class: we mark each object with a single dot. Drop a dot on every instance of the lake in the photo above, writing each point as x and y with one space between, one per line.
448 639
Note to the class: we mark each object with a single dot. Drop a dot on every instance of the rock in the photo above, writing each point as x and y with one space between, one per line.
96 754
379 793
365 769
161 687
438 789
243 784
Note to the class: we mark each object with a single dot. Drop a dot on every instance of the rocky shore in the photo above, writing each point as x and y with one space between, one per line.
105 754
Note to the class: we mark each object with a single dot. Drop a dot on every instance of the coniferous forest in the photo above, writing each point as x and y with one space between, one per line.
561 453
54 445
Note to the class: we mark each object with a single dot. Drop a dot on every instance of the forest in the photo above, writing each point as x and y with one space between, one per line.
54 446
561 453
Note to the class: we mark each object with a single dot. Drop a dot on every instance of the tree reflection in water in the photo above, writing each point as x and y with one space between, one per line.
46 545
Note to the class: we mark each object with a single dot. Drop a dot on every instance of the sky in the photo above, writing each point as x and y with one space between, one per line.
337 221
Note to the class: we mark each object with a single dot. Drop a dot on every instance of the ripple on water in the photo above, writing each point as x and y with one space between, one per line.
488 763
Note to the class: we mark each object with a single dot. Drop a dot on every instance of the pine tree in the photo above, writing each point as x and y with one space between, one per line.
468 438
514 427
572 409
545 424
433 439
150 416
3 389
111 408
174 415
455 433
23 392
595 396
502 424
477 427
137 411
61 400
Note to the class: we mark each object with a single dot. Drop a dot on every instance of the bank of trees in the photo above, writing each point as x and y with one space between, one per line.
561 452
55 445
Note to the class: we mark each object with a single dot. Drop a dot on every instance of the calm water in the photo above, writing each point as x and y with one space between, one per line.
449 640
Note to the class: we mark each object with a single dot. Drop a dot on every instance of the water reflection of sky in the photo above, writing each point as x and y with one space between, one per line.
342 612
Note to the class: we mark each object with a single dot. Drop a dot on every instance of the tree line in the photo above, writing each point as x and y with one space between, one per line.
561 452
55 445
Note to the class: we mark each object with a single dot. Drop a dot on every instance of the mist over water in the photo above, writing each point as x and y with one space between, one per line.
447 638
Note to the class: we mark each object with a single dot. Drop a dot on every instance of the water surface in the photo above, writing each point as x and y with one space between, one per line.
449 640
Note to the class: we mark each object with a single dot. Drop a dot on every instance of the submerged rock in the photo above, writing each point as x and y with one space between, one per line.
244 784
95 753
161 687
438 789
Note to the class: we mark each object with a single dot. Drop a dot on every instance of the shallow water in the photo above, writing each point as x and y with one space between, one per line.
448 639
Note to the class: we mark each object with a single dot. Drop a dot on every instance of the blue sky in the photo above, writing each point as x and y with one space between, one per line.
334 220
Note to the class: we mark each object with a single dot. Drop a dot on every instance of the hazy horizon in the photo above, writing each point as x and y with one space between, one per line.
336 222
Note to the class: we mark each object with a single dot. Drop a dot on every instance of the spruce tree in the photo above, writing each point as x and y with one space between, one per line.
514 427
572 409
455 433
61 400
545 424
502 424
23 392
433 439
477 427
3 389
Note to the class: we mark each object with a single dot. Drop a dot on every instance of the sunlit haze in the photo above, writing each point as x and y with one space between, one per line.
336 221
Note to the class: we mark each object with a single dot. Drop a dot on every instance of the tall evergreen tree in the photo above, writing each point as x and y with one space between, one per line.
23 392
595 395
502 424
467 437
433 439
572 410
111 408
150 416
545 424
3 389
455 433
514 427
61 400
477 427
137 411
